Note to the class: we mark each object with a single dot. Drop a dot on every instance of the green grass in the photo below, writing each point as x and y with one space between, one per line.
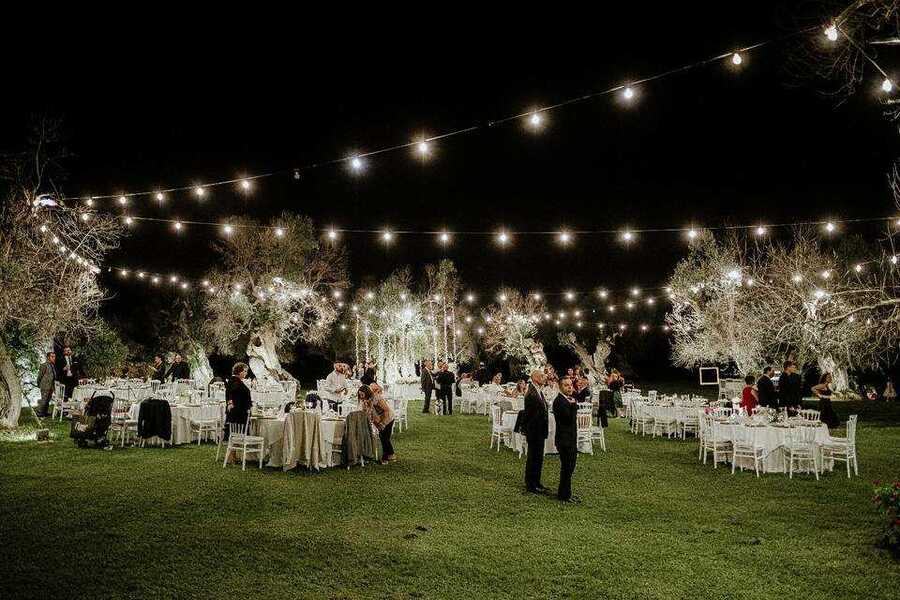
654 523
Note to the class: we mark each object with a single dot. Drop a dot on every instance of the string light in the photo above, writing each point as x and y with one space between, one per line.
887 86
227 229
627 236
502 298
830 227
154 280
570 296
199 191
356 163
628 93
692 234
535 120
760 230
831 32
246 185
858 268
129 220
387 237
89 202
635 291
502 238
123 200
85 216
603 294
160 197
470 298
177 225
564 237
279 232
423 149
736 58
332 234
537 296
444 238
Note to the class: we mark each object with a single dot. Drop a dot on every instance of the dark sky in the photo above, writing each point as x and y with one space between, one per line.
169 100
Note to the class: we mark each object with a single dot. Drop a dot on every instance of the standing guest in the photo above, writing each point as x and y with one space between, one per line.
615 382
336 382
790 392
765 389
382 417
159 368
67 371
445 380
565 411
426 382
481 375
237 401
749 397
535 424
889 394
45 381
823 392
179 369
368 377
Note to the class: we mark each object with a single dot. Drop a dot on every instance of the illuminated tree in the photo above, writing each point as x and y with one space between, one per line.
511 327
49 253
274 287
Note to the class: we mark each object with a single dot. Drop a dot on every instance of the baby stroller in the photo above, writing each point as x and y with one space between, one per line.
94 422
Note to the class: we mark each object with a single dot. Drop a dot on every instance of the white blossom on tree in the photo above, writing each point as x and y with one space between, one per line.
511 327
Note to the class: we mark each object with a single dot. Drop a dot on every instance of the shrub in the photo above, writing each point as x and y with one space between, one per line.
887 501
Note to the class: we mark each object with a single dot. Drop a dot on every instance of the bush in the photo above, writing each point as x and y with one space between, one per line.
887 501
104 353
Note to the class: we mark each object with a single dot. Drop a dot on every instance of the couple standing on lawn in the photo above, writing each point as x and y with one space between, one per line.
536 428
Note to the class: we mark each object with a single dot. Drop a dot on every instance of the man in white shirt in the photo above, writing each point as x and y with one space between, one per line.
336 383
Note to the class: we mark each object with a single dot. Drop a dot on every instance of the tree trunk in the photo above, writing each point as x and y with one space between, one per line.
264 358
10 389
840 381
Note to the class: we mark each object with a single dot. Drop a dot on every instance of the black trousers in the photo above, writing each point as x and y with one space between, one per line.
447 399
427 406
567 458
534 462
387 447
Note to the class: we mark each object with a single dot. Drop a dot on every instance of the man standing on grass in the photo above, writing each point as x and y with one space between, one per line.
790 387
445 380
565 411
535 424
766 389
427 384
45 381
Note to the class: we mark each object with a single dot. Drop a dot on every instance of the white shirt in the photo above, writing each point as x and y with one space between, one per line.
68 366
335 382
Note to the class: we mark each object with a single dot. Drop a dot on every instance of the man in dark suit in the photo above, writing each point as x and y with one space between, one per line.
565 411
159 368
67 371
45 382
179 369
765 389
536 427
790 386
427 383
445 380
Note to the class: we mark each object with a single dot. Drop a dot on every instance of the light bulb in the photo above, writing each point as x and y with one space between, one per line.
858 268
279 232
831 32
423 148
387 237
178 225
564 237
502 238
760 230
603 293
627 236
887 85
736 58
535 120
692 234
160 197
830 227
89 202
85 216
470 298
570 296
444 237
129 220
123 200
246 185
628 93
227 229
199 191
536 296
356 164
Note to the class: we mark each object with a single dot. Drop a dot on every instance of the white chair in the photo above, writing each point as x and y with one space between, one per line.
60 405
743 442
583 432
165 391
842 448
651 395
183 386
641 419
154 386
204 428
809 414
715 440
597 434
401 417
121 422
240 441
800 446
498 430
688 421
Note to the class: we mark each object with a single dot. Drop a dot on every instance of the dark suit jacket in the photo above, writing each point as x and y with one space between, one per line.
159 373
238 401
61 371
446 379
179 370
427 380
536 425
566 415
766 391
790 389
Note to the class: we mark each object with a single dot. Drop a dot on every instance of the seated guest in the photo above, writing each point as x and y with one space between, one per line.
237 400
497 379
159 368
382 417
749 397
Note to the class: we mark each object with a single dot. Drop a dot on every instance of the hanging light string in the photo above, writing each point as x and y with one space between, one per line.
532 117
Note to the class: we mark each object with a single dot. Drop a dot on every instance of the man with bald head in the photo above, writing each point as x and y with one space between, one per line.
536 427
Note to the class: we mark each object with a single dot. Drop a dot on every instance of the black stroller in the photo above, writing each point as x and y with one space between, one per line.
93 423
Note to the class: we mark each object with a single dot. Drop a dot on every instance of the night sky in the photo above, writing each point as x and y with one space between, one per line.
197 101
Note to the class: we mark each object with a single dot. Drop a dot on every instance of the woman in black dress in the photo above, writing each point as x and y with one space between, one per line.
237 397
823 393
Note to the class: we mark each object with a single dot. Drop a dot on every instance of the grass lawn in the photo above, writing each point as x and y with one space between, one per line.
450 520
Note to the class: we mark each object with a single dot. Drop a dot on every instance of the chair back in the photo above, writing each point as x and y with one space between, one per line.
583 421
496 415
59 391
652 395
808 414
743 436
851 429
585 407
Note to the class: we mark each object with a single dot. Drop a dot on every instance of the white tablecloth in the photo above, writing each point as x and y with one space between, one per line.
182 415
268 398
772 438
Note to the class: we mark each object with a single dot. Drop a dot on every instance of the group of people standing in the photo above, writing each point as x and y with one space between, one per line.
65 370
441 382
789 392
